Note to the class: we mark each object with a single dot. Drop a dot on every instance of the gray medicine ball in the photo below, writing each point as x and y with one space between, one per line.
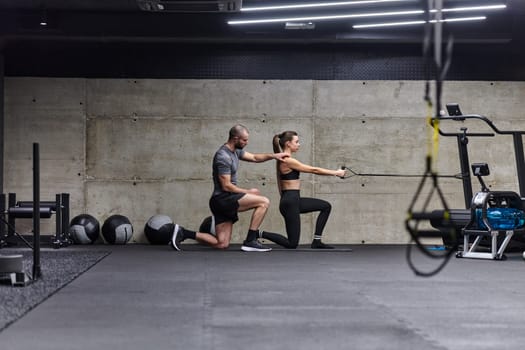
159 229
84 229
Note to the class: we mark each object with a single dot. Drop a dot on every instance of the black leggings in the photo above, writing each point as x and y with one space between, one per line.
291 206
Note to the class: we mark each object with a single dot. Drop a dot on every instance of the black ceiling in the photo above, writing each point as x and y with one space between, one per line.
100 28
123 21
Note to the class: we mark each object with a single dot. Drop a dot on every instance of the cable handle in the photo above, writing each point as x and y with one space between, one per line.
348 172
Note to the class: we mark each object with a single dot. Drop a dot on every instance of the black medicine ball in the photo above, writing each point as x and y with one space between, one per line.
117 229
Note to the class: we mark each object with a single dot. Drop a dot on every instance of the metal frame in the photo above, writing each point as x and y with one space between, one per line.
24 209
517 137
496 253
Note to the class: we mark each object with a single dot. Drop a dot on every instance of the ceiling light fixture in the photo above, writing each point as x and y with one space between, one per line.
319 18
315 5
392 24
472 8
463 19
299 25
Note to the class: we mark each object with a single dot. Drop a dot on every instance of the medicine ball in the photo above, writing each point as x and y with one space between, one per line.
84 229
208 225
117 229
159 229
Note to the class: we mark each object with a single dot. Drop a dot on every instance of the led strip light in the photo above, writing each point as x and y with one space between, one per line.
315 5
393 24
366 15
319 18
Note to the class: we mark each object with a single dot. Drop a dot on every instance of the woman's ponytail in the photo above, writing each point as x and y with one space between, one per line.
276 143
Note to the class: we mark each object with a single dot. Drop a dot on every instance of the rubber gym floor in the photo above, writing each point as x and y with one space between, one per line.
151 297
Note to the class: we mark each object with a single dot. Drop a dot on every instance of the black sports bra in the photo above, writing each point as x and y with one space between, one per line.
292 175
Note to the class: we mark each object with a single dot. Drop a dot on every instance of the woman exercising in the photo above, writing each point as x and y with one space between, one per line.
292 204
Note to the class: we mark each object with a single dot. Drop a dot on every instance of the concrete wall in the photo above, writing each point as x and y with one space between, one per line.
144 147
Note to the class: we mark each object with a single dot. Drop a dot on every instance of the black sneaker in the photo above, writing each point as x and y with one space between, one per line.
254 246
317 244
177 237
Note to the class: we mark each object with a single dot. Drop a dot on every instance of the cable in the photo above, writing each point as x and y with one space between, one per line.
351 173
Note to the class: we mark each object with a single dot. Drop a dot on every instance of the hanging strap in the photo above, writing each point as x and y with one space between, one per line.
416 218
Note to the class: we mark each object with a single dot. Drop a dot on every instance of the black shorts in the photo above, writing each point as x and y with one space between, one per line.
224 207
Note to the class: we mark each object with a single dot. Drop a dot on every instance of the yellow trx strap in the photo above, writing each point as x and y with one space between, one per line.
433 138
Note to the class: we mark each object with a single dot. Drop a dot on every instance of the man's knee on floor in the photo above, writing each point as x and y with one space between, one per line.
222 245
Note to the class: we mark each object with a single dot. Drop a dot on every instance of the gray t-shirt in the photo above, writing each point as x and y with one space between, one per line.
225 162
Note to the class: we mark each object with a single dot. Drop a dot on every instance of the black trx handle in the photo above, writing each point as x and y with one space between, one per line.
415 218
